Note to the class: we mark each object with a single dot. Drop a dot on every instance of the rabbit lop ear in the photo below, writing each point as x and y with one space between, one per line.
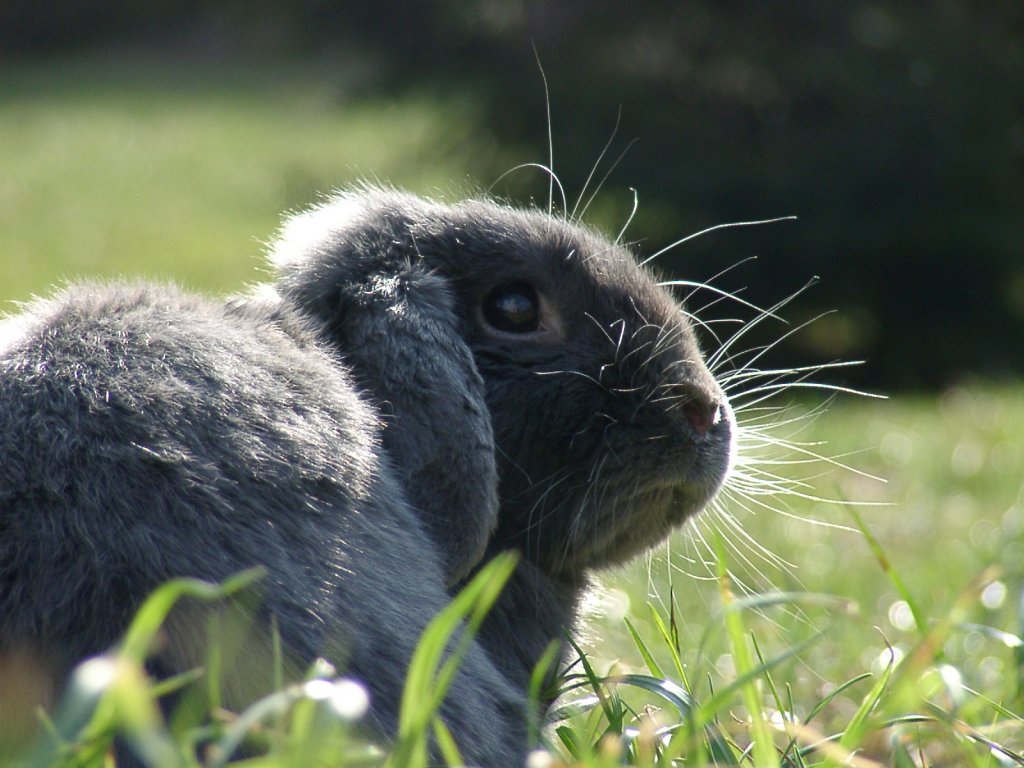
351 264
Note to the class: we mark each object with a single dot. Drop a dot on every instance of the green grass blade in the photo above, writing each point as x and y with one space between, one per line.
446 744
641 646
1018 652
665 689
894 577
763 744
153 613
543 689
833 694
859 724
573 709
667 637
112 694
435 661
596 684
781 707
569 739
907 691
770 600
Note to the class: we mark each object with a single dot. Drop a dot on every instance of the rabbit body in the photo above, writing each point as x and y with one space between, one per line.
422 385
147 434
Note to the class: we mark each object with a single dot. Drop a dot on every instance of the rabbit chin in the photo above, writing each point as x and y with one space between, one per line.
638 507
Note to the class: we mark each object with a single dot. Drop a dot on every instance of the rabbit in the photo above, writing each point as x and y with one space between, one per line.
147 434
420 386
609 430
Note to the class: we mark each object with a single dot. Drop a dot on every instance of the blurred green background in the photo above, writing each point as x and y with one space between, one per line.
166 138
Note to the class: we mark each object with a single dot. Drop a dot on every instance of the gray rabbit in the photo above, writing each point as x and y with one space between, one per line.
421 386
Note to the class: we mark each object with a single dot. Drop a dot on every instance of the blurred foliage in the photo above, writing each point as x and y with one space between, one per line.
165 170
895 131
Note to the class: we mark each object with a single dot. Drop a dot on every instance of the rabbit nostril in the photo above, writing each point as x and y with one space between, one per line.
702 416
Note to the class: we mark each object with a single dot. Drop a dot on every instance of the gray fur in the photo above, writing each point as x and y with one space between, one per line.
358 429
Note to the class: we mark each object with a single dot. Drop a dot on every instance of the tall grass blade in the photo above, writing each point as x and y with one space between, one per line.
859 724
543 685
665 689
669 637
837 691
641 646
434 663
894 577
762 745
907 692
112 694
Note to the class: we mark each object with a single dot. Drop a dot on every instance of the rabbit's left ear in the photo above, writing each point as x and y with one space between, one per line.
395 325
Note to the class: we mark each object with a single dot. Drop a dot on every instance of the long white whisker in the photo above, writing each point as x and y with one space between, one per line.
717 275
604 178
593 169
765 372
723 351
723 293
729 225
552 178
538 166
629 219
815 385
827 459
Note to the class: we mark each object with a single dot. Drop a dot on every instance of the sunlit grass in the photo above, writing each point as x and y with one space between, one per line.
115 167
947 531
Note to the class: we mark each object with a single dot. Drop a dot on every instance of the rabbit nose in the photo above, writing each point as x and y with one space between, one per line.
702 414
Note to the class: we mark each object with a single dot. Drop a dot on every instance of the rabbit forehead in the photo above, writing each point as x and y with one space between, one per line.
479 243
567 260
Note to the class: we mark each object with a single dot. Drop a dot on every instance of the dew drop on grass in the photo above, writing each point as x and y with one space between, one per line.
993 595
318 690
781 719
95 675
540 759
350 700
953 681
347 698
900 616
889 656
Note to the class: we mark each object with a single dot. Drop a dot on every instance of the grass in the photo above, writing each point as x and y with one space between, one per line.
922 628
891 631
125 167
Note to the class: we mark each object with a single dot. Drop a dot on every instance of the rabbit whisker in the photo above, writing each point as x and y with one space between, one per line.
715 228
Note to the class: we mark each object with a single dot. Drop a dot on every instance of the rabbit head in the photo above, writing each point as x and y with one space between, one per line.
530 331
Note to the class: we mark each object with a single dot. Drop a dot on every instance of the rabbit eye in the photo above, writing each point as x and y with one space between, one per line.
512 308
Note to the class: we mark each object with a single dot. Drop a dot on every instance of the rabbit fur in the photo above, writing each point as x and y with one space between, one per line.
370 429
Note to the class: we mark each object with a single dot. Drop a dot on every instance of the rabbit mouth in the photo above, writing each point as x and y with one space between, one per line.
654 511
644 500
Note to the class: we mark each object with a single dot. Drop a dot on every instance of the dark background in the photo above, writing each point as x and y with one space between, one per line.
894 131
